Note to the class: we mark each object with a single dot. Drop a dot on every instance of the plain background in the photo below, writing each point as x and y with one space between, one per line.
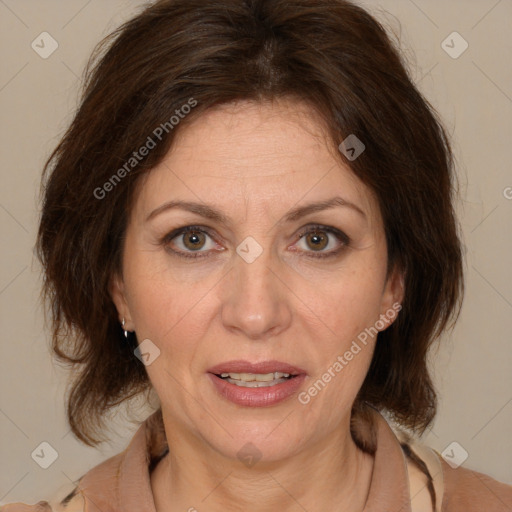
473 94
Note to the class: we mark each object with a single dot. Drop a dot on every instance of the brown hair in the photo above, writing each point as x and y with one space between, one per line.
329 53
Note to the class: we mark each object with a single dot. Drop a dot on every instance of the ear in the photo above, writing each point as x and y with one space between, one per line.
118 294
393 295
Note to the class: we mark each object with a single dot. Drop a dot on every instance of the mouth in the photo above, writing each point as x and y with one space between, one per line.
256 384
255 380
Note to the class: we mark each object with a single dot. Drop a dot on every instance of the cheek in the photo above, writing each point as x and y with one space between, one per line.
160 300
343 344
348 301
153 309
174 312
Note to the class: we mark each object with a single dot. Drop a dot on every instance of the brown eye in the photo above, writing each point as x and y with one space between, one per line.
316 240
190 242
193 240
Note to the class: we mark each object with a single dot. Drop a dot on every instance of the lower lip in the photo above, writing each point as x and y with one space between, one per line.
257 397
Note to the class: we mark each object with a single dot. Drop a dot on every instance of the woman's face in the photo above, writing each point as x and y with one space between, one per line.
263 278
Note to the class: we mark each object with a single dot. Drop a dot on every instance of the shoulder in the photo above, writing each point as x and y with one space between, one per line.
98 488
72 502
41 506
71 497
451 489
467 490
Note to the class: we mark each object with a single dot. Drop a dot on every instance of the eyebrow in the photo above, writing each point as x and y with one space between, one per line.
213 214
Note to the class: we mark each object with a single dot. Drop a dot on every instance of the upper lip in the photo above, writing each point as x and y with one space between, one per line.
241 366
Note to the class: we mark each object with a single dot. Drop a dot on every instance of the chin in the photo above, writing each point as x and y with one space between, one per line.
257 440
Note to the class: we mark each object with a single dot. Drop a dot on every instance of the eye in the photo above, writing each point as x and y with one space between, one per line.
190 241
316 238
197 241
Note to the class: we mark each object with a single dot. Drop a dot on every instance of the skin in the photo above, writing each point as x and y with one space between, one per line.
255 162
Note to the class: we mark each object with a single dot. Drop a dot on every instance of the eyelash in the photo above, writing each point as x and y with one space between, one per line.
342 237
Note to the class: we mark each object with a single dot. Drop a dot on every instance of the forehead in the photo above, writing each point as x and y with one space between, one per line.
262 155
245 138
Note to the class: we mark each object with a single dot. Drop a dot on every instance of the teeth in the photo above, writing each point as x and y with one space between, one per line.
255 377
255 383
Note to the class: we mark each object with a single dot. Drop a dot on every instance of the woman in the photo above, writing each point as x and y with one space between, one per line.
251 214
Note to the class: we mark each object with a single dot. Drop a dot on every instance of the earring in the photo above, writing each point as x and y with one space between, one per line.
125 331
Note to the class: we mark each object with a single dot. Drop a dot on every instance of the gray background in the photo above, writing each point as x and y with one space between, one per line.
473 93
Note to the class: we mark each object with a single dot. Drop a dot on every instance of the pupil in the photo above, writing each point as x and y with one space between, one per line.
317 239
193 239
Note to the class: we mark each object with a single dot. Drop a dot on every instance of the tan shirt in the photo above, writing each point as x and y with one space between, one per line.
403 472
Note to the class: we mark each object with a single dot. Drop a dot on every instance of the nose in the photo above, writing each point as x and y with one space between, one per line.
255 300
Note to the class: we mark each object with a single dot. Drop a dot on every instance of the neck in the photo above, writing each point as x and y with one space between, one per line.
333 474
